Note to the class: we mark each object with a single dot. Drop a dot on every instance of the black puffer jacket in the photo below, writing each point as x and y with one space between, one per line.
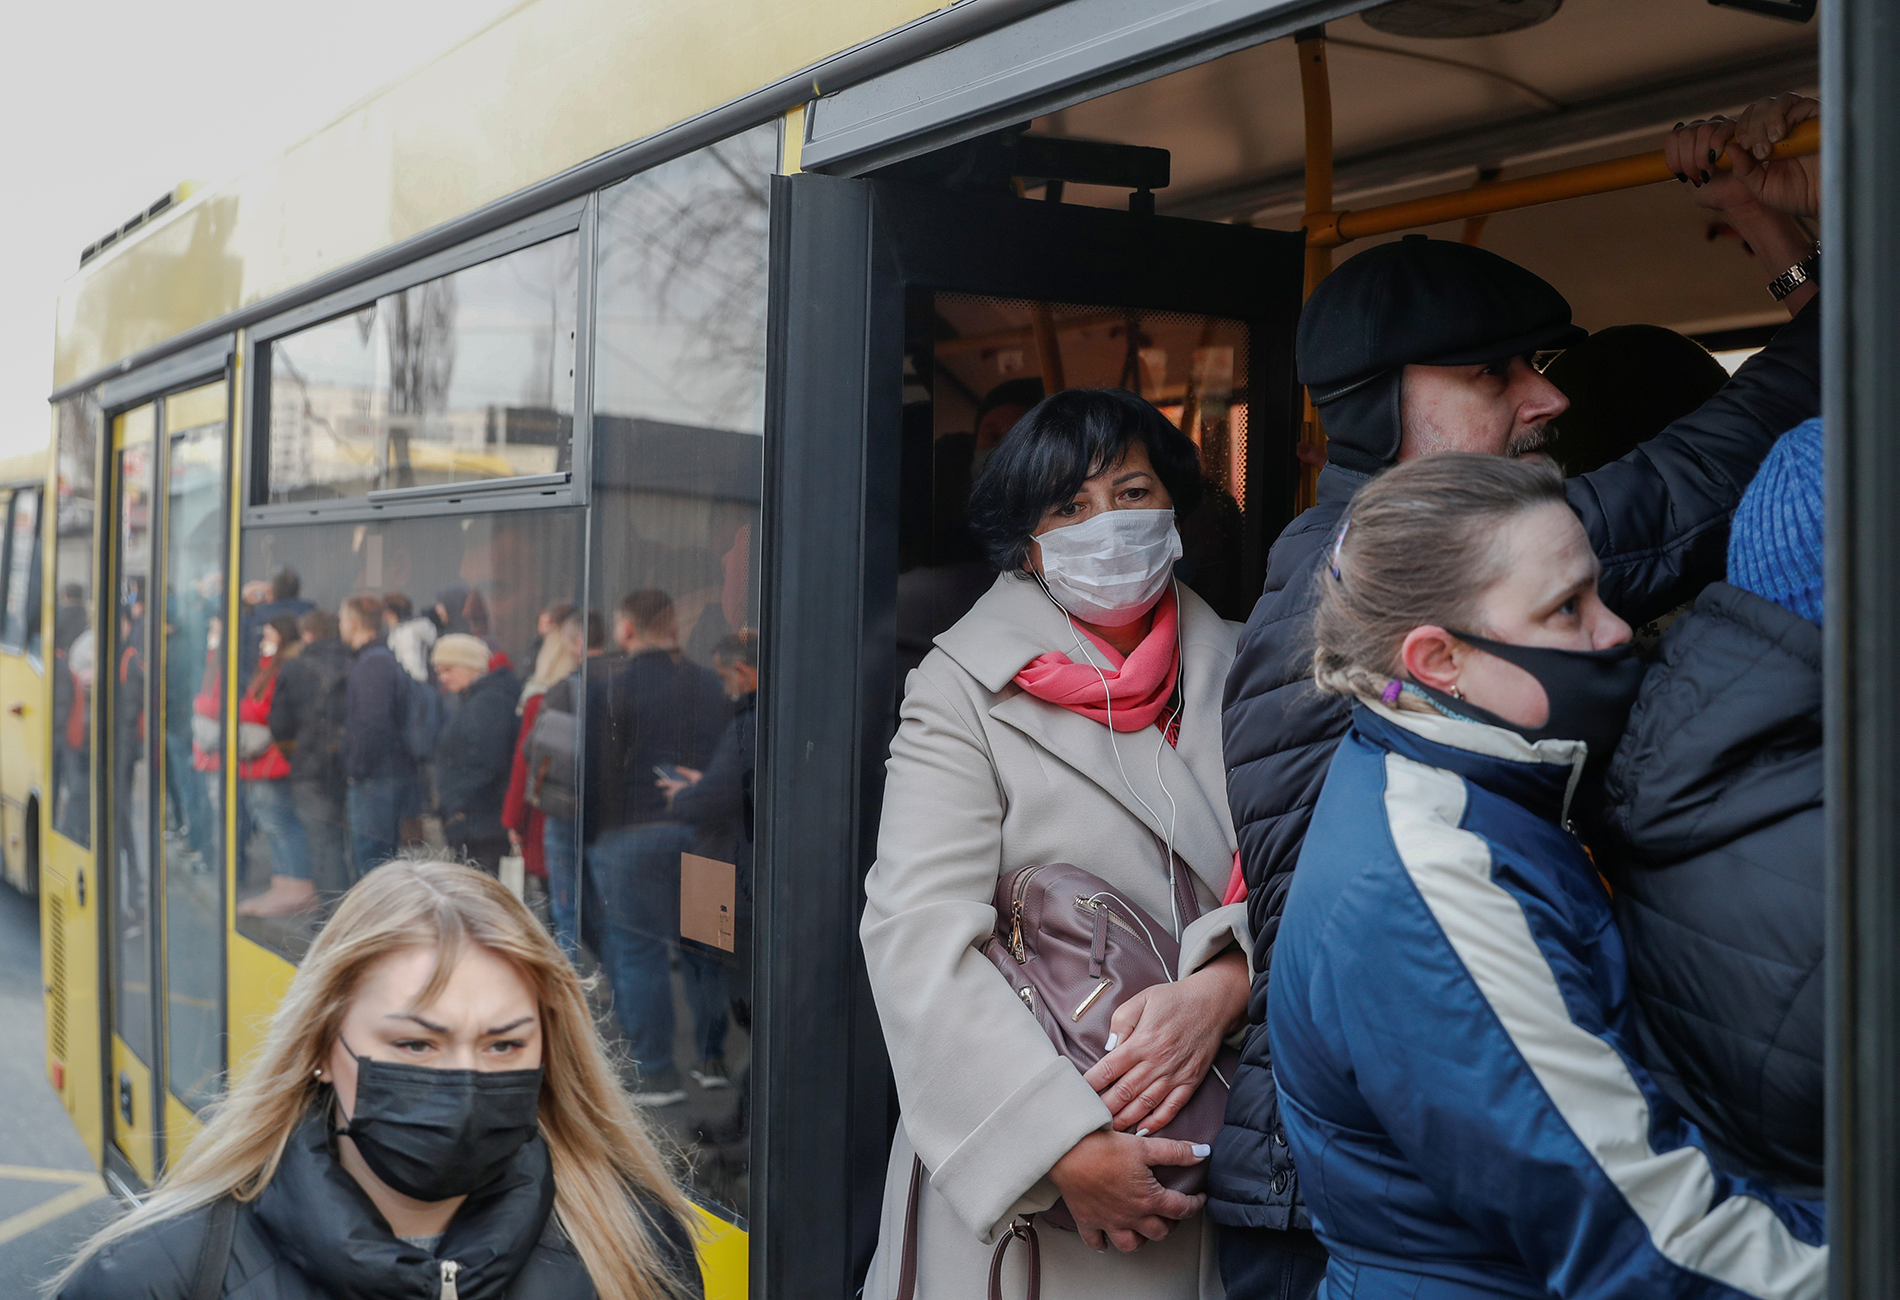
312 1234
474 755
1712 834
1658 521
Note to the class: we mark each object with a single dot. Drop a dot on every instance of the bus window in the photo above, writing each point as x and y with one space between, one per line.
75 653
466 377
351 789
665 887
21 628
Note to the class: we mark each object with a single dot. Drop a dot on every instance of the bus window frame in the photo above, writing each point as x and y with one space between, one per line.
212 361
525 492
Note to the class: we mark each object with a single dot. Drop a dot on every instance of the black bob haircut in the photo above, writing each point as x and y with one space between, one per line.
1063 441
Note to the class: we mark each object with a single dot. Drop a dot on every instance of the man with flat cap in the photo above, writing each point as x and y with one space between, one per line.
1410 348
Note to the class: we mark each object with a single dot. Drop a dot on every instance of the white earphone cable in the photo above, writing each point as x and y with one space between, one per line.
1108 703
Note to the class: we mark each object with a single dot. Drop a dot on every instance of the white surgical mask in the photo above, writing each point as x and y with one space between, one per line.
1110 570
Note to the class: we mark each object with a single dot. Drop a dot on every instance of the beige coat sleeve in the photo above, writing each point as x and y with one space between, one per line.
988 1103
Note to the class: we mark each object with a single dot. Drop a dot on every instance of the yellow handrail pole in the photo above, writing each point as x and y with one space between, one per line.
1330 229
1316 99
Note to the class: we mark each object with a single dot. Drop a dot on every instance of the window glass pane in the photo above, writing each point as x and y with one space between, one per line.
192 709
467 377
128 678
22 629
354 790
662 897
75 655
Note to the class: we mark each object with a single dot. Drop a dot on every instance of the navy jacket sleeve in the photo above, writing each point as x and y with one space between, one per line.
1658 518
718 796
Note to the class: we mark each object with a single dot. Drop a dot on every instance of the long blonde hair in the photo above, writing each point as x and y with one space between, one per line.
599 1146
555 662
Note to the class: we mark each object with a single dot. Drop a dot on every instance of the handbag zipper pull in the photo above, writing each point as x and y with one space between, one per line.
449 1269
1016 931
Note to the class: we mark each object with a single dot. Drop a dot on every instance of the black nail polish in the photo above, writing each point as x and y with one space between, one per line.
1705 178
1713 157
1683 177
1676 127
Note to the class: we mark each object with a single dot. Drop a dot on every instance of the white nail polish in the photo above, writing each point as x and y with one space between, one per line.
1141 1132
1202 1151
1112 1040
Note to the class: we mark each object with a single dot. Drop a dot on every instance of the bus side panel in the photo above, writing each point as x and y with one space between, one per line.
258 979
69 968
724 1257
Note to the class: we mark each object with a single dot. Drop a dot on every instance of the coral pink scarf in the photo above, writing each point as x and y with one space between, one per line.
1139 687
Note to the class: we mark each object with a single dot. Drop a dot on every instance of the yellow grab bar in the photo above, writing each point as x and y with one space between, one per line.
1330 229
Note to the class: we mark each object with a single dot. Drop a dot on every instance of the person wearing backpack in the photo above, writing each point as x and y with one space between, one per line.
378 759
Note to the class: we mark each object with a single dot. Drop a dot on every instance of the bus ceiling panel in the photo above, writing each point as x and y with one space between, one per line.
207 360
1418 108
1042 63
1534 134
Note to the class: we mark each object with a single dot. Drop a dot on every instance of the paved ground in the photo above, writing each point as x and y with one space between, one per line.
50 1194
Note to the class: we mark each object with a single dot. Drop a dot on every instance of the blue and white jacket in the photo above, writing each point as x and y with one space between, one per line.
1450 1040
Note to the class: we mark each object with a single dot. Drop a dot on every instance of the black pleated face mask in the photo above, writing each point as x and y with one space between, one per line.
437 1134
1591 692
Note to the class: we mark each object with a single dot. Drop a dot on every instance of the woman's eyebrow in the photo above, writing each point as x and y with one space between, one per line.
512 1024
429 1025
1120 479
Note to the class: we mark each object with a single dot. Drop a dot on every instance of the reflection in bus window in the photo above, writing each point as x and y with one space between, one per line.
75 657
192 712
127 675
654 879
354 706
21 629
470 376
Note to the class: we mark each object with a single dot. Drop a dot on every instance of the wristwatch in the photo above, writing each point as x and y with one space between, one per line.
1808 268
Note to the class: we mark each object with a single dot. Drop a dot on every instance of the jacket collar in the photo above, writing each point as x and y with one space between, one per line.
325 1224
1540 777
1337 484
1015 621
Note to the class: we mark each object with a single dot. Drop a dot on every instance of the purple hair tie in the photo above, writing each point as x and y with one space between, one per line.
1391 692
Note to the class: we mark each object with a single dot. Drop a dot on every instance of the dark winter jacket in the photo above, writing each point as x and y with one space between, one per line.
313 1234
1712 834
309 711
662 710
1450 1024
718 806
372 733
474 753
1658 521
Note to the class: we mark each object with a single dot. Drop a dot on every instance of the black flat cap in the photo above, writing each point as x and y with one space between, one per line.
1418 301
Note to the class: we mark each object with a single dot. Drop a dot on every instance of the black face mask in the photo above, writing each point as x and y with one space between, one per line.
436 1134
1591 692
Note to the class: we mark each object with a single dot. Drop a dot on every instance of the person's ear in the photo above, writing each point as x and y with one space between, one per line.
1432 657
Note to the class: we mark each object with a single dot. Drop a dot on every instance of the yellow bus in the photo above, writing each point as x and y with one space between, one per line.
706 299
23 732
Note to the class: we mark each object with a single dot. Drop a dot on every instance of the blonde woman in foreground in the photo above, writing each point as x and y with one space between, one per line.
432 1115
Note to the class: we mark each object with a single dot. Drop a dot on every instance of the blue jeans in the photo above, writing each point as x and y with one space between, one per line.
271 805
573 904
377 805
636 871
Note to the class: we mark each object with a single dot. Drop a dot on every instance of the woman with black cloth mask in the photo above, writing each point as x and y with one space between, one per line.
1449 1007
432 1115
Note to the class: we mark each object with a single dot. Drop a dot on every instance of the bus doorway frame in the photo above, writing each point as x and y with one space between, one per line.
846 253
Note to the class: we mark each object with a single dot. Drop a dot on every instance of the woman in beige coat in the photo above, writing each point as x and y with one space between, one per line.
1005 758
